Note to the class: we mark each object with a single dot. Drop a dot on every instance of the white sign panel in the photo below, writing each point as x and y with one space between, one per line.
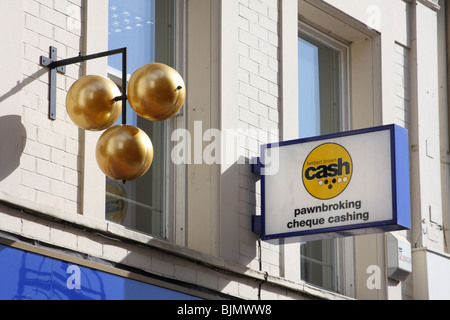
328 186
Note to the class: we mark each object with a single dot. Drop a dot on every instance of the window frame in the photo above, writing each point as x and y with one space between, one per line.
344 49
175 20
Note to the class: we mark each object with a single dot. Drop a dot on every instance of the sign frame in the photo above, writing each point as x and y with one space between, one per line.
400 189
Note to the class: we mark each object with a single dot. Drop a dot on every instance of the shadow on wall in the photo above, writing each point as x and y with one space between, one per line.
12 142
12 132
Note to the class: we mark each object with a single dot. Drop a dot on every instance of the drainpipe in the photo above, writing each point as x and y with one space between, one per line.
447 47
445 144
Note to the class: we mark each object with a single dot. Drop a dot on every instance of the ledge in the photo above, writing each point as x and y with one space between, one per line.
434 251
115 231
432 4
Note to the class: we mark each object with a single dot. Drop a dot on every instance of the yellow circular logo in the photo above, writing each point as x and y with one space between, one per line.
327 171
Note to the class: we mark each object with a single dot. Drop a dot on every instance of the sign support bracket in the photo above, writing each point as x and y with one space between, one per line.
256 224
59 66
256 169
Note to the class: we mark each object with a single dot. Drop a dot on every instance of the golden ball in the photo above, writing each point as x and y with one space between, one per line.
124 153
90 103
156 92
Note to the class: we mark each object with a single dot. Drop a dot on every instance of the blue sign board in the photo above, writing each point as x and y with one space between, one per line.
29 276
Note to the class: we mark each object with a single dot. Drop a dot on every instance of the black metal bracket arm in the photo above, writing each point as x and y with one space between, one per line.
56 66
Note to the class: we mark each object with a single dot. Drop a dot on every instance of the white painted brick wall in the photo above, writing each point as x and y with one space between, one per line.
259 116
258 63
402 86
53 144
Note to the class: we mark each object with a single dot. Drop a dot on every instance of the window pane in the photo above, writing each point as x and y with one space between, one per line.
309 94
138 204
319 113
132 25
318 263
319 88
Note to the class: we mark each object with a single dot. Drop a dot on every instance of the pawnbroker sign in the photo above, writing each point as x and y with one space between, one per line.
336 185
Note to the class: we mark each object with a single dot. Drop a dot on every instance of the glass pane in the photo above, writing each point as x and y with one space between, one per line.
309 93
318 263
319 113
138 204
319 88
132 25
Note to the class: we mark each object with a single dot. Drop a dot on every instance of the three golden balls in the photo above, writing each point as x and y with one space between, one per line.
156 92
91 104
124 153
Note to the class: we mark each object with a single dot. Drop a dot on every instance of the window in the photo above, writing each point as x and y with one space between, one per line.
322 110
145 28
319 88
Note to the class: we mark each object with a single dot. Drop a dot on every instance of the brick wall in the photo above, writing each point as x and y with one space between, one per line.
402 86
258 27
50 163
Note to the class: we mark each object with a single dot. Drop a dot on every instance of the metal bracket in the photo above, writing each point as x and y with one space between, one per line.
256 224
55 66
256 165
47 62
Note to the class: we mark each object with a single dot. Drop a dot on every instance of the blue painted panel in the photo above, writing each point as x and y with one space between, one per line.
403 201
23 276
29 276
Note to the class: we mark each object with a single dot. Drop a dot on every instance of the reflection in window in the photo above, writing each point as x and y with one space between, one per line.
139 205
132 25
319 113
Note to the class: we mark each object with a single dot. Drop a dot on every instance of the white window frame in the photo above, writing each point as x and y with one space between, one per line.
175 199
344 49
174 176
